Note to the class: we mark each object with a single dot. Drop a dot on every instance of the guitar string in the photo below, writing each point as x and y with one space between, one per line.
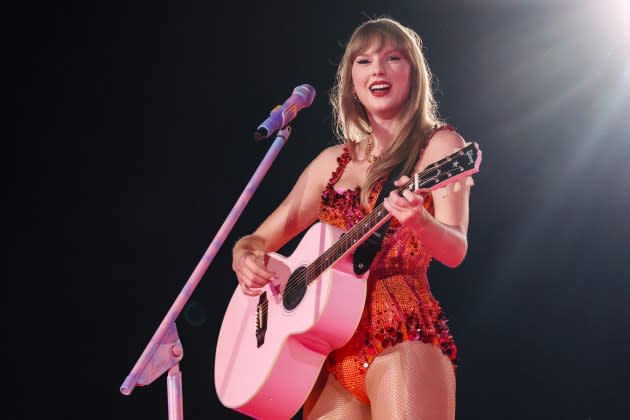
321 263
316 265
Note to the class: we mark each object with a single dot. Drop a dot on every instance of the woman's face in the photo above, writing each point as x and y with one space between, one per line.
381 80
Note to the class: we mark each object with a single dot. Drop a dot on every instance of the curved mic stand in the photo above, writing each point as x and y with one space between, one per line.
165 350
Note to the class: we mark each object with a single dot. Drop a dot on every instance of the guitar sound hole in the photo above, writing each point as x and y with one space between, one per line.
295 289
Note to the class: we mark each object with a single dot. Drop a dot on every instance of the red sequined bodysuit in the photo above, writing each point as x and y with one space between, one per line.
399 304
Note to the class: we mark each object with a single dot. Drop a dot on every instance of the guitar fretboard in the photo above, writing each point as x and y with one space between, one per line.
440 173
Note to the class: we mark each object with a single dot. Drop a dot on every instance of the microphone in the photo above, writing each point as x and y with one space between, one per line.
282 115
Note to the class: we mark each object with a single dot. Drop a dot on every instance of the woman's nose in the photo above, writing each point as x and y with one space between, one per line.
377 67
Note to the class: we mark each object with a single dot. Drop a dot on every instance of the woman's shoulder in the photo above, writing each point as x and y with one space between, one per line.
333 152
328 160
332 156
445 137
442 142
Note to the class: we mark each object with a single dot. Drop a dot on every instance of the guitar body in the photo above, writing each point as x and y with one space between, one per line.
271 349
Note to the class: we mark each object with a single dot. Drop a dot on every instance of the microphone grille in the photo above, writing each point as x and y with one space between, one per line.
307 92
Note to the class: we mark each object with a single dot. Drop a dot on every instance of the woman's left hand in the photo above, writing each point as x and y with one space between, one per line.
408 209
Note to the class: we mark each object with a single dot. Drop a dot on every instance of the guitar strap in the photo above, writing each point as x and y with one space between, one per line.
364 253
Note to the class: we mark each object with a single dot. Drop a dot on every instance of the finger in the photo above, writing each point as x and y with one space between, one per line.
248 291
252 279
396 211
420 193
392 207
388 206
258 268
397 200
413 199
401 181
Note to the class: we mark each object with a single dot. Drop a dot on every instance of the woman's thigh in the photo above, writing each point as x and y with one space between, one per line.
411 380
330 401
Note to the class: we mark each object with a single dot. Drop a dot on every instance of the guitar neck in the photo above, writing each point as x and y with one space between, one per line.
350 240
445 171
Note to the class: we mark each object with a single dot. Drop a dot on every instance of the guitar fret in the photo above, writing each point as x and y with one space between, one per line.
460 161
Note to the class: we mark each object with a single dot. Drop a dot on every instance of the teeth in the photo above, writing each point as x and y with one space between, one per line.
380 86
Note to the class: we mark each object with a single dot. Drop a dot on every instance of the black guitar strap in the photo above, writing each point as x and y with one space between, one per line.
364 253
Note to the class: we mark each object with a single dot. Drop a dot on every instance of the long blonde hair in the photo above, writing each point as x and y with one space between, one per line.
418 115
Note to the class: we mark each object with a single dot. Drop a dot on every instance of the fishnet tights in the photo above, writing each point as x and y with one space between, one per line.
412 380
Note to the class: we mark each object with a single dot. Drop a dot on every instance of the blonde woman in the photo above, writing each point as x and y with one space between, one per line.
400 362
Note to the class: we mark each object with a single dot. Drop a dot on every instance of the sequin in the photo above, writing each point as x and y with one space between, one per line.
399 304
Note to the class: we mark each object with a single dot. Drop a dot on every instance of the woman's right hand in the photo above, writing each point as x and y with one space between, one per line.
296 212
251 272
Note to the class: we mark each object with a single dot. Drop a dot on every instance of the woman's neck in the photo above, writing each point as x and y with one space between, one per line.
383 133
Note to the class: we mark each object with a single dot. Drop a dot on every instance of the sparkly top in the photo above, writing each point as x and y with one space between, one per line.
399 305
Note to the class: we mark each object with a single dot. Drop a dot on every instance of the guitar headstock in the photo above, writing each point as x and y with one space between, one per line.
451 169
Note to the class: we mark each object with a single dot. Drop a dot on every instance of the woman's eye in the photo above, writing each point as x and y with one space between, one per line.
394 58
363 61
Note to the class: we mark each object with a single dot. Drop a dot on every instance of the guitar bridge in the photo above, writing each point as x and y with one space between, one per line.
261 319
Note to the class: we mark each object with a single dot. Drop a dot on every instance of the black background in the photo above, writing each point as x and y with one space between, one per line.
134 141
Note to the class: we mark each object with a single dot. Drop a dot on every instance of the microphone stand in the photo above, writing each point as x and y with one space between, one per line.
164 351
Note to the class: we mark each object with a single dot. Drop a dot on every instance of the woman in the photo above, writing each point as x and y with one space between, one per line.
400 362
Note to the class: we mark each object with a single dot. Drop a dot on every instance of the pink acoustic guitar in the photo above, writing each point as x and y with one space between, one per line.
271 347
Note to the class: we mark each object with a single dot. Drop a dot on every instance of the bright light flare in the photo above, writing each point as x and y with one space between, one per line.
613 18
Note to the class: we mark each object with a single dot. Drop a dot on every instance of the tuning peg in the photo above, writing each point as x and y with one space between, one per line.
443 192
457 186
469 181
